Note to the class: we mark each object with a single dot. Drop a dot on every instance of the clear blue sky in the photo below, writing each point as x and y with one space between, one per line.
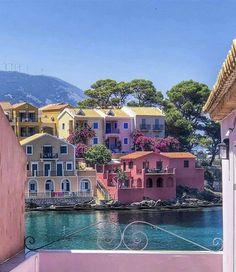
83 41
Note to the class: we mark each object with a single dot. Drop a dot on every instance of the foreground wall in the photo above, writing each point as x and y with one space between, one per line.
12 180
117 261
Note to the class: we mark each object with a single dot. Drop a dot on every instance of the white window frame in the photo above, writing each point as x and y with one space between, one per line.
66 150
97 124
50 169
97 140
124 140
124 125
71 163
31 168
26 150
63 126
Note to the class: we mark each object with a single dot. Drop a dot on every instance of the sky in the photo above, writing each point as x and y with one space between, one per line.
81 41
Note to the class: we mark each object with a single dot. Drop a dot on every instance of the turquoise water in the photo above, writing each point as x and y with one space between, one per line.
103 230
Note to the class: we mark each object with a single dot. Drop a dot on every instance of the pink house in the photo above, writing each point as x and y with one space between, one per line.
12 182
118 127
151 175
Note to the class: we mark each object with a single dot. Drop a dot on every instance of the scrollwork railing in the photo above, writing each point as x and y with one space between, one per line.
112 237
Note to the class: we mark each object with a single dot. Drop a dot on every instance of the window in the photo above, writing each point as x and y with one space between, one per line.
95 125
159 182
69 166
131 165
63 125
95 140
126 125
63 149
65 186
186 164
29 150
149 183
126 141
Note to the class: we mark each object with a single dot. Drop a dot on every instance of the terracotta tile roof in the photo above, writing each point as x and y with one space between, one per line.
135 155
6 105
225 80
116 112
146 111
57 106
178 155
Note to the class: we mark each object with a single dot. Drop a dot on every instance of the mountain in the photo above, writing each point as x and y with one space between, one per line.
37 89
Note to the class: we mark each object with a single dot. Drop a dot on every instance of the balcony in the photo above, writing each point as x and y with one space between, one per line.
112 131
27 119
145 127
154 171
157 127
34 195
49 156
50 174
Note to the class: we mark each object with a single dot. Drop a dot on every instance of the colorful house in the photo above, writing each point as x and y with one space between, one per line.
221 106
12 179
118 126
48 116
149 120
151 175
71 119
52 170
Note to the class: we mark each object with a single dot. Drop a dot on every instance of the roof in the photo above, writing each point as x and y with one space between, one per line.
146 111
14 106
222 88
55 107
178 155
84 112
39 135
6 105
116 112
31 138
136 155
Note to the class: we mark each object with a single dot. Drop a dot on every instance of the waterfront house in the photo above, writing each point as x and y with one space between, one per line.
221 106
149 120
151 175
48 116
118 126
52 171
12 179
71 119
23 118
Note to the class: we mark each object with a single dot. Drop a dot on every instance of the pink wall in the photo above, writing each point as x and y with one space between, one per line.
29 265
12 180
229 195
118 261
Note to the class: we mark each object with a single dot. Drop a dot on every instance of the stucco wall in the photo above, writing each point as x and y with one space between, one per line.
150 120
12 180
131 261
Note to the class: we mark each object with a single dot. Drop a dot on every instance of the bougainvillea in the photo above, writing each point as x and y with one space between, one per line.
144 143
81 135
80 149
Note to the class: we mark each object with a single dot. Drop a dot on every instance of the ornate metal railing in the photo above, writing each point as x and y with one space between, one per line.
111 237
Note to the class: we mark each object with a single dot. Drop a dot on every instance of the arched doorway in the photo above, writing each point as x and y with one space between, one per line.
65 185
85 185
159 182
139 183
49 186
149 183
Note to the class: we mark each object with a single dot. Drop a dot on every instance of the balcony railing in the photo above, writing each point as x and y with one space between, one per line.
50 173
159 171
157 127
48 155
112 131
145 127
33 195
26 120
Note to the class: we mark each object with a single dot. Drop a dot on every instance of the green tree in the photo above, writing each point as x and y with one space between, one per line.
97 154
106 93
144 94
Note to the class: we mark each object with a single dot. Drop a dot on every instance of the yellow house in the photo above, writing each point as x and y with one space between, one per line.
48 116
70 119
25 120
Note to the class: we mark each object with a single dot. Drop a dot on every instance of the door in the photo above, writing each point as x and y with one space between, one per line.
47 169
59 169
47 151
49 187
34 169
108 127
159 165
